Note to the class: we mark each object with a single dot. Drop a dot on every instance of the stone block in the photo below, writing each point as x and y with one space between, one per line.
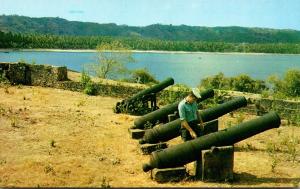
60 73
149 148
171 117
217 164
46 75
16 73
208 127
136 133
169 174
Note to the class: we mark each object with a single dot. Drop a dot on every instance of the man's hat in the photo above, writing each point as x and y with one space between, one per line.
196 92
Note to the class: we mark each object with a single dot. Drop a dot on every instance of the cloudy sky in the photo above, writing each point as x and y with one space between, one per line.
281 14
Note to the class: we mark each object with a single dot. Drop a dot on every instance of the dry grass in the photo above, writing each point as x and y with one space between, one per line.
52 137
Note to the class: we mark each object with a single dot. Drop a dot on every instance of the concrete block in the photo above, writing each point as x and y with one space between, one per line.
171 117
136 133
217 164
169 174
148 148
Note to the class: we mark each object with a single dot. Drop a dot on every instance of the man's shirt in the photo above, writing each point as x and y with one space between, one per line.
187 111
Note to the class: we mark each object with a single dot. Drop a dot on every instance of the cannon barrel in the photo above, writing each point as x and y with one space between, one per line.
154 89
162 113
187 152
133 104
171 130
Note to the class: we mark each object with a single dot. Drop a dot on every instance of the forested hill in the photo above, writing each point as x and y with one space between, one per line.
59 26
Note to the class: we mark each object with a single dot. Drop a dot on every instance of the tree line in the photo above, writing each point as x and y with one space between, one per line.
32 41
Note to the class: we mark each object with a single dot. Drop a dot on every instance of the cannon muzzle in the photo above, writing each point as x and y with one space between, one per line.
187 152
138 103
154 89
171 130
162 113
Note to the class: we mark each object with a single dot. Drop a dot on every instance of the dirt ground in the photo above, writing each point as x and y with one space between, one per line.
52 137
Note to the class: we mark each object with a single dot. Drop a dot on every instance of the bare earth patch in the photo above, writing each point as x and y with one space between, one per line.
52 137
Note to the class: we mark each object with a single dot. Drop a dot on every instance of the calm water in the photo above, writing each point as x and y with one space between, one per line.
188 69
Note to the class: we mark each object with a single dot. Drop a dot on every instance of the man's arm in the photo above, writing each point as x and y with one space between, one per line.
185 124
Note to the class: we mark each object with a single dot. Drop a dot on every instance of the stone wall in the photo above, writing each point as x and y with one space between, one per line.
43 75
28 74
119 90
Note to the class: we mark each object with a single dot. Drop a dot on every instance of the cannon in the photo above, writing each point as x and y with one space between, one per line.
138 104
171 130
161 114
187 152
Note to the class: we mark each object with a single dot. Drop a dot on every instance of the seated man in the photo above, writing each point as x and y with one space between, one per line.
189 116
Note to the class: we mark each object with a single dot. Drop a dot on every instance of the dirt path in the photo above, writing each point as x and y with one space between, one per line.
52 137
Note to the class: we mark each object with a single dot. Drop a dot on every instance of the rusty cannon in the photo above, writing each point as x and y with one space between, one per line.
171 130
138 104
160 116
187 152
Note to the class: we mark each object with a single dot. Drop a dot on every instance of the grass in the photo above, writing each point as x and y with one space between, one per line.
290 143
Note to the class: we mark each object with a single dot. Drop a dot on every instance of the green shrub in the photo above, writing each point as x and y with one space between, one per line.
143 76
85 78
289 86
218 81
90 89
243 83
178 93
292 83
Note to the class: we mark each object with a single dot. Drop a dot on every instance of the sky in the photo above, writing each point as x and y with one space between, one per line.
279 14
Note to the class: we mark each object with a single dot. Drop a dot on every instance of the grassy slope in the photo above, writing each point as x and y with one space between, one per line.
53 137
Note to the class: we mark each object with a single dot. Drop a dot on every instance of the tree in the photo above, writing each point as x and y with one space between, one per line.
289 86
243 83
275 83
111 60
292 82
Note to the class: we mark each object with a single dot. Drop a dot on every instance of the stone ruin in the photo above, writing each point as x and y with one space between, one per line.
30 74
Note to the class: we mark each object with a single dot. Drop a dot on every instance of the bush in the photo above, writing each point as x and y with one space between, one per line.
86 81
292 83
90 89
179 91
289 86
85 78
143 76
218 81
243 83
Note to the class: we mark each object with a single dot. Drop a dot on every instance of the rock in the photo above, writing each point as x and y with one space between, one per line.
169 174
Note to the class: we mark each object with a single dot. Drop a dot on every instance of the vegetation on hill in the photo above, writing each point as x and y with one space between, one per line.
57 33
32 41
59 26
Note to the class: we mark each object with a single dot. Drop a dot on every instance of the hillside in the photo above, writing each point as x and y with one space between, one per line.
234 34
58 138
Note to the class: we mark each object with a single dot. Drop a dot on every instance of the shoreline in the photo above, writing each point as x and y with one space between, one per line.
137 51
